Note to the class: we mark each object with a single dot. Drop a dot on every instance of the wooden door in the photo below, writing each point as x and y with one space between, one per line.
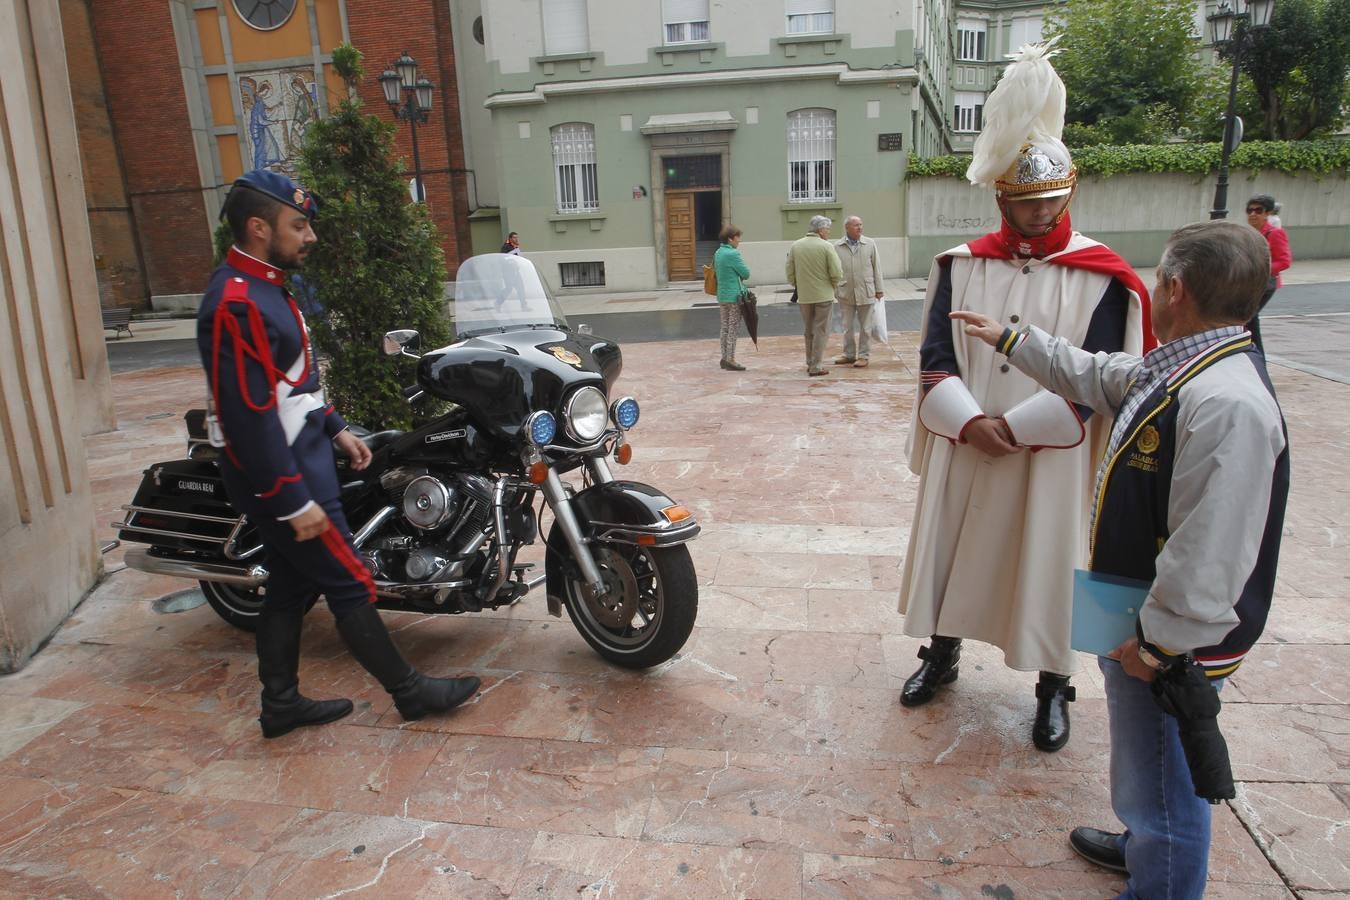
680 235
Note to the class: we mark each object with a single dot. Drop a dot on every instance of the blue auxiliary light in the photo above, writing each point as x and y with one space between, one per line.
542 427
626 412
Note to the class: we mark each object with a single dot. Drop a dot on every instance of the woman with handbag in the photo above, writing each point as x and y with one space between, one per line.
731 273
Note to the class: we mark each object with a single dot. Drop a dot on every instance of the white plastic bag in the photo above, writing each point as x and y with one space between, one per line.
879 332
836 318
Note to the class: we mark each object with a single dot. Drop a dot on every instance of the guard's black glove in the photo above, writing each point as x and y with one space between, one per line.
1184 692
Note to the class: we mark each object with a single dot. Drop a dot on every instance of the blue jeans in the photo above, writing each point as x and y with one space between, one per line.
1166 840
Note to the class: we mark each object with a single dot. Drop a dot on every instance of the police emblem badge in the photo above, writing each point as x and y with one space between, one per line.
565 355
1148 440
299 197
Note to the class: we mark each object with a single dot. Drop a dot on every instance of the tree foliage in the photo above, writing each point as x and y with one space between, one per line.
378 264
1297 67
1129 67
1316 158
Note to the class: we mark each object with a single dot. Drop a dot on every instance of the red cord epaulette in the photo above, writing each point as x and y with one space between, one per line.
236 291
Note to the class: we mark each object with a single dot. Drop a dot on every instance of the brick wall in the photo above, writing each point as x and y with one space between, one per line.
148 110
121 277
423 29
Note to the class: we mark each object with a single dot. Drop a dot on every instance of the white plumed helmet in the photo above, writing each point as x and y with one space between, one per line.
1019 152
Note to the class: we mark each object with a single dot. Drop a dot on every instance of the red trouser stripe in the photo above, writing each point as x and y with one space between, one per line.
342 552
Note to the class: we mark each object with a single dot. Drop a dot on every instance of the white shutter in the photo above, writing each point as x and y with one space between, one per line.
808 7
684 11
565 28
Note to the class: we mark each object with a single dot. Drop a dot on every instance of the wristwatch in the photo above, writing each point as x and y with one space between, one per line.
1153 662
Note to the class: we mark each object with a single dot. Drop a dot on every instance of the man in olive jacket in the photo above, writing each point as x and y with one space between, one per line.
813 269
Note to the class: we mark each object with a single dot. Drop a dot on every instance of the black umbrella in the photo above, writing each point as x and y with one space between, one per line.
750 314
1186 694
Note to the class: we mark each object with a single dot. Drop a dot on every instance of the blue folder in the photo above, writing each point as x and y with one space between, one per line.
1105 608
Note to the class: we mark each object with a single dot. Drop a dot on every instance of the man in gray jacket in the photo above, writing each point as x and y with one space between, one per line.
1189 503
860 291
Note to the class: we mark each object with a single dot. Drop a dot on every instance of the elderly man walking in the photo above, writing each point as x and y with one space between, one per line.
813 269
860 291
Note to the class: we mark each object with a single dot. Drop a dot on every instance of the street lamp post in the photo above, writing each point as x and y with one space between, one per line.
1222 23
410 98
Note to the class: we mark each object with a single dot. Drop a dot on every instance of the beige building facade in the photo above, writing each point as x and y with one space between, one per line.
54 380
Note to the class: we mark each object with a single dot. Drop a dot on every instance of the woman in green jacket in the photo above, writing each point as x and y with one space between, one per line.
731 274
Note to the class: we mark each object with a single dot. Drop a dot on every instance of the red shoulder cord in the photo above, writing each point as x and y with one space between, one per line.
260 350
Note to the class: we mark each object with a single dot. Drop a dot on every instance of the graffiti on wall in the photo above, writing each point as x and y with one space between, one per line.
279 107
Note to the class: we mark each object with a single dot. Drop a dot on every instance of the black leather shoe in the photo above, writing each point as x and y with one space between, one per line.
940 666
282 715
1053 696
284 708
1101 848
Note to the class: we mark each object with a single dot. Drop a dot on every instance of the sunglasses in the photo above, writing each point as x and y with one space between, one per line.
1255 209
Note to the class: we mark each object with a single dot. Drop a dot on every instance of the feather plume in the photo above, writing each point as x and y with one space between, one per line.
1027 104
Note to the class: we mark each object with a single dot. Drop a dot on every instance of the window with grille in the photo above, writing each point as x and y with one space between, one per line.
565 27
582 274
969 112
810 137
574 167
970 38
685 21
810 16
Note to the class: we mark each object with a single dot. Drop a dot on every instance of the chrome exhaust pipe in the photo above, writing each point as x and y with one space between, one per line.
241 576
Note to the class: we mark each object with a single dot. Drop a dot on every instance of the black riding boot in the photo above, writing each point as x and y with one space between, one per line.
415 694
1053 696
940 666
283 707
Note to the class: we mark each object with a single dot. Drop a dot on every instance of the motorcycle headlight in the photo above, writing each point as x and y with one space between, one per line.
541 428
585 415
625 412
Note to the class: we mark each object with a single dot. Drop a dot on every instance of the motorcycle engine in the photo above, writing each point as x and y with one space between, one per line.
428 503
448 512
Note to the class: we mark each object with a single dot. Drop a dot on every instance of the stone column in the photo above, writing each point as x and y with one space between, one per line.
54 380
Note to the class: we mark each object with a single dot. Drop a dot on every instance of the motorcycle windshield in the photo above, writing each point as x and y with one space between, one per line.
500 291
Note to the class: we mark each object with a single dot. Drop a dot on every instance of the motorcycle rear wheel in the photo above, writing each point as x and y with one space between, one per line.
239 605
650 609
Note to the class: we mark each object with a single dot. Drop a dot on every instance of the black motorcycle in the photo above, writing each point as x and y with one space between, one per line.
441 513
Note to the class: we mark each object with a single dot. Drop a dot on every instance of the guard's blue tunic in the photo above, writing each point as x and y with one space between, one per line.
277 430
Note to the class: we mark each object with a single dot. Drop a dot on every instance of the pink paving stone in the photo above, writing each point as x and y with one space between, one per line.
770 759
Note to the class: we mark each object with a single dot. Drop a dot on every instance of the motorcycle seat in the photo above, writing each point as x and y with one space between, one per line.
380 438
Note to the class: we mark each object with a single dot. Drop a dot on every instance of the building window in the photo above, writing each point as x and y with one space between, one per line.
969 112
265 15
582 274
810 138
565 27
810 16
574 167
1022 32
970 38
685 21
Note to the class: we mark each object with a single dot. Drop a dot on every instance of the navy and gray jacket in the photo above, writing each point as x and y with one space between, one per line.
1192 499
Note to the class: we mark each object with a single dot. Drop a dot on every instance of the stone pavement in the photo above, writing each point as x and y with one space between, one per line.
770 759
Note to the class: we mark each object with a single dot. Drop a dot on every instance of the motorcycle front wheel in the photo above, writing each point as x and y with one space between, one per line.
649 610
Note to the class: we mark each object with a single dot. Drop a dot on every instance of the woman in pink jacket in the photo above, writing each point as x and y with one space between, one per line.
1259 211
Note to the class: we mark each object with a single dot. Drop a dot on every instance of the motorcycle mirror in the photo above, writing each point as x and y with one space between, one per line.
403 341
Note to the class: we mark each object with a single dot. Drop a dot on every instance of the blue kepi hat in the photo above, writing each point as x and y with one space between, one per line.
280 188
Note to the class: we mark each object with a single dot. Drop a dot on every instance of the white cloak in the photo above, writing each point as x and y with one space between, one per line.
994 542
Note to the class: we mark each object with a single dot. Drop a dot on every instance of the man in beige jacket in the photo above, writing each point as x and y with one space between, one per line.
813 269
860 291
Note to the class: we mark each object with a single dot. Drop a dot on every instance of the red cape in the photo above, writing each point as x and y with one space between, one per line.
1098 258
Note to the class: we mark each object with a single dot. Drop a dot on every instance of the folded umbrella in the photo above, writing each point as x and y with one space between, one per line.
749 305
1186 694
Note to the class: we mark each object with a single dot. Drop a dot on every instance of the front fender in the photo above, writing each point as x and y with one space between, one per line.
629 512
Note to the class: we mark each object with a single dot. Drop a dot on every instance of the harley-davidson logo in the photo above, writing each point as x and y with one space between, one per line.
445 436
565 355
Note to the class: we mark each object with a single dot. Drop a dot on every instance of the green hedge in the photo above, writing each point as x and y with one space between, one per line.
1291 157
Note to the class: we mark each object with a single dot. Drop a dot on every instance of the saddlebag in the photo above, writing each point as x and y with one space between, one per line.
182 505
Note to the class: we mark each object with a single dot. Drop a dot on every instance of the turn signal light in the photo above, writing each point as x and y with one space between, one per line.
676 513
646 540
539 473
624 454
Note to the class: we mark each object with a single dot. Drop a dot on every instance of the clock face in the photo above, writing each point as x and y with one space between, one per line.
265 15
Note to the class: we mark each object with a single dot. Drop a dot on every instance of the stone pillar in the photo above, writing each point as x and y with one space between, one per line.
54 380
